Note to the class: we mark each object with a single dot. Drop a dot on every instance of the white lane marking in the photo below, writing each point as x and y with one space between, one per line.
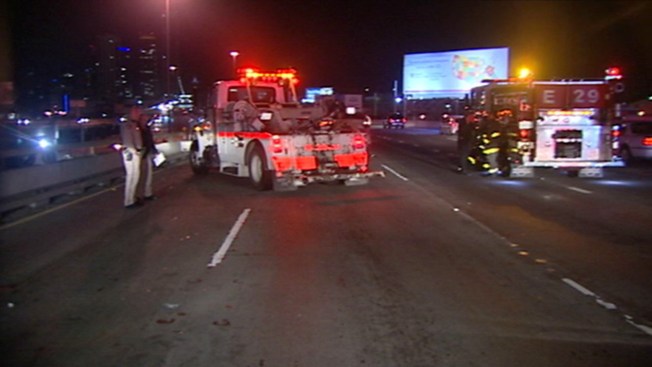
219 255
645 329
395 173
578 287
579 190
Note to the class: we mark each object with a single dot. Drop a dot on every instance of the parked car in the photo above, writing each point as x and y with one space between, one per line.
396 120
633 138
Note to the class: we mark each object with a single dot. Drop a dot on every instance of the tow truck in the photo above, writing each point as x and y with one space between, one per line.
561 124
256 128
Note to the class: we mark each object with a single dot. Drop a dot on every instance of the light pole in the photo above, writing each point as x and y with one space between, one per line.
234 55
167 48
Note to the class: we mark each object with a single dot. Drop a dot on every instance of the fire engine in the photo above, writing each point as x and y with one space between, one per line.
564 124
259 130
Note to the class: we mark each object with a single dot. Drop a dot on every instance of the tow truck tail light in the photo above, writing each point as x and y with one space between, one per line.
277 145
359 142
647 141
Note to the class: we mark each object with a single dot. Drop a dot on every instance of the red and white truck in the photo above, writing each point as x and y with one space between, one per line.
259 130
563 124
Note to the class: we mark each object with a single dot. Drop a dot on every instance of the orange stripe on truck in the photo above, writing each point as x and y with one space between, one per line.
243 134
352 159
304 163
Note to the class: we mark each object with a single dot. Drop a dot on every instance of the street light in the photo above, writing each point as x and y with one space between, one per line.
234 55
167 47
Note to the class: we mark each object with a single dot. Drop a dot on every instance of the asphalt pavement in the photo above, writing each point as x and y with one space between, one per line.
425 267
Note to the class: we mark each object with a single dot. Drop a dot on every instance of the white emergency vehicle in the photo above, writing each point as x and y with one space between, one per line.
259 130
559 124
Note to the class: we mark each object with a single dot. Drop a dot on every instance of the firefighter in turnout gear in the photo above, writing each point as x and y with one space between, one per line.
509 152
466 135
490 142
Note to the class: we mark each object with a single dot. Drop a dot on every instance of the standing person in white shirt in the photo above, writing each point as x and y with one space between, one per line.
148 153
132 149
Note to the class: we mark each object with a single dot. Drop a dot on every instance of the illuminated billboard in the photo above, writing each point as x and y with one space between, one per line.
452 73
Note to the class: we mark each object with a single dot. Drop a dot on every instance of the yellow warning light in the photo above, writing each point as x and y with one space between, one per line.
524 73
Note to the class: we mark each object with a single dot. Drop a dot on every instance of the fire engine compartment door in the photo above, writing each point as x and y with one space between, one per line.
571 135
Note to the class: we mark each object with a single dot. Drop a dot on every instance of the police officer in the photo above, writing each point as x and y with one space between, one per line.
147 157
131 149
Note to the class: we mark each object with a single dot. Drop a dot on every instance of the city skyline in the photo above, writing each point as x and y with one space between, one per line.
351 46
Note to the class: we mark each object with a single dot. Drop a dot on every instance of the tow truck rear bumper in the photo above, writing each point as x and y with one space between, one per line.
292 180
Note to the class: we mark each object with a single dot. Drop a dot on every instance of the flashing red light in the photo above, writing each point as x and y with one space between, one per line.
524 134
280 75
615 133
647 141
277 146
613 73
359 142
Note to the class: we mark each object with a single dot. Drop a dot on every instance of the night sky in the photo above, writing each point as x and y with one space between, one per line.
346 44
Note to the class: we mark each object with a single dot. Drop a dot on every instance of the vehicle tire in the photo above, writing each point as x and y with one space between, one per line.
259 175
49 157
626 155
198 164
573 173
20 161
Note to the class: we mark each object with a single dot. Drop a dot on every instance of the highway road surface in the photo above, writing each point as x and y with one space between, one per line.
425 267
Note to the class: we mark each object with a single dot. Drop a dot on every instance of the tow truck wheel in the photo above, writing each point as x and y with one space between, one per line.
260 176
197 163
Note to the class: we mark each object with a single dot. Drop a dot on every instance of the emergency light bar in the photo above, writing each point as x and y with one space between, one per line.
570 113
279 75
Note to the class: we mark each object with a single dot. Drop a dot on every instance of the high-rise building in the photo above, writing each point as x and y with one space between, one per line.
107 68
148 68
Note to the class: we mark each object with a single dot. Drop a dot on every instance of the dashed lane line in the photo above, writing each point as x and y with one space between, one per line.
395 173
219 255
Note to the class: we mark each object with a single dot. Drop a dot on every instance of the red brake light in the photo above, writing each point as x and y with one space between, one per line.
277 146
524 134
647 141
359 142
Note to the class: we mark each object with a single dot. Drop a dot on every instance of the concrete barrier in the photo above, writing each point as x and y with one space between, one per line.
19 187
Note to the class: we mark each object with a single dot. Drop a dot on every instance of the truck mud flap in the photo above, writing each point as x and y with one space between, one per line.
356 181
521 171
591 172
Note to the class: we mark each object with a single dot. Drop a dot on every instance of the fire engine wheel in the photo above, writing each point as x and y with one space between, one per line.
626 155
197 163
260 176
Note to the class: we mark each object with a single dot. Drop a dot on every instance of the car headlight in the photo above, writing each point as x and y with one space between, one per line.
44 143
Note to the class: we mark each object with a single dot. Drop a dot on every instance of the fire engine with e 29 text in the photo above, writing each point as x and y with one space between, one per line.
560 124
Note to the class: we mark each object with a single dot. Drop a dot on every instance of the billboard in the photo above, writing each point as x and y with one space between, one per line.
452 73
